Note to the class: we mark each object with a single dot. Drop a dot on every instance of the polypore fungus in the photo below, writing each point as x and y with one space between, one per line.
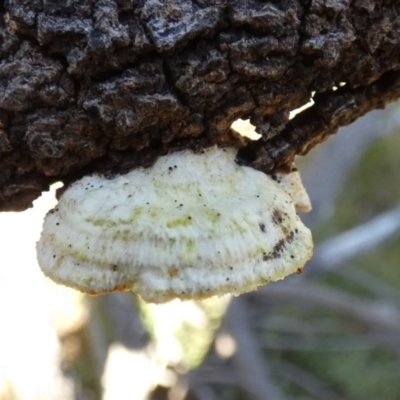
191 226
292 183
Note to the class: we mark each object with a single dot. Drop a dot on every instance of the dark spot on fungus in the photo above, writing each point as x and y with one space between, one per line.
277 217
54 256
57 223
294 169
114 267
170 168
277 250
262 227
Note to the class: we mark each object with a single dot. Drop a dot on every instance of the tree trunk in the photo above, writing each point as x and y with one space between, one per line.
105 86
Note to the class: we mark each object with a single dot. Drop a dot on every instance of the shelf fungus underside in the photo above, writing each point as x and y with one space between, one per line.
191 226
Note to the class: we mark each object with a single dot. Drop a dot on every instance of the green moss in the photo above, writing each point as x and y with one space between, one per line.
212 215
179 222
136 213
237 227
101 222
190 246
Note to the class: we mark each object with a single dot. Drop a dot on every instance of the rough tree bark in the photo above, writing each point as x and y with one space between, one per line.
107 85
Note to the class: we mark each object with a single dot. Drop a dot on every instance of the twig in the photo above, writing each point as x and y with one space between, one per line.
203 392
313 343
329 167
376 232
284 324
368 281
252 371
128 328
377 315
387 339
305 379
97 339
212 374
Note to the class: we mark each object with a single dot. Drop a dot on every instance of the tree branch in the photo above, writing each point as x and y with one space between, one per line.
109 85
359 240
252 371
377 315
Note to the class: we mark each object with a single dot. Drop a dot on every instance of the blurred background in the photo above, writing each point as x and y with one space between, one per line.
331 333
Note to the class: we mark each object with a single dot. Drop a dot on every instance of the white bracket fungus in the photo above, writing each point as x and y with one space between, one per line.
189 227
294 186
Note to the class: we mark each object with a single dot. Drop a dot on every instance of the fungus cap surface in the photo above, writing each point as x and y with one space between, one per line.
190 227
293 184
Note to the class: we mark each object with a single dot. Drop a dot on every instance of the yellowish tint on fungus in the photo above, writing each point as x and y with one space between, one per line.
189 227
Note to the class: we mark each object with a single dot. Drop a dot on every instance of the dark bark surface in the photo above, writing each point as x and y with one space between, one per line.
104 86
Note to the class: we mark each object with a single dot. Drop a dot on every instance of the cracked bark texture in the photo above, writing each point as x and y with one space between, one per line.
108 85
